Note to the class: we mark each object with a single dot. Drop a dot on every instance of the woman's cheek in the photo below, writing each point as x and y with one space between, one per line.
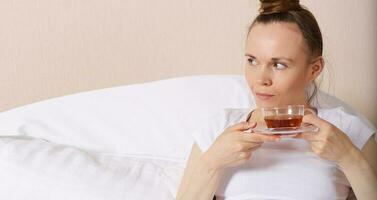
249 78
289 86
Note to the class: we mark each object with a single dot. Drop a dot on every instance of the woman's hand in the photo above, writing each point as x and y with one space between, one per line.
329 142
234 147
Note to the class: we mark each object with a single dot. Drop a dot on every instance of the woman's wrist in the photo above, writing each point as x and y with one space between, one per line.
207 164
353 156
203 181
359 173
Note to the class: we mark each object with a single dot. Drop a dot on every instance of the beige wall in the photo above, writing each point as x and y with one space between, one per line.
51 48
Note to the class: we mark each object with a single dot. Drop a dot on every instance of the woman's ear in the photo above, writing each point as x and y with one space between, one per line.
315 68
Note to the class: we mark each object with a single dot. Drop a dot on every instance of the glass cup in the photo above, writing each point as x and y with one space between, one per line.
285 118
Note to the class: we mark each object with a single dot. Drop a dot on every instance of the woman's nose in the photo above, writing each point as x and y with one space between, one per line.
264 78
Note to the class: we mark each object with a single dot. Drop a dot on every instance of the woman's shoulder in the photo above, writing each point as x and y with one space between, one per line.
344 116
355 125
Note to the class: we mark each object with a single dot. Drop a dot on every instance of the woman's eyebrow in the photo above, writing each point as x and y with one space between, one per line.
249 55
282 58
273 59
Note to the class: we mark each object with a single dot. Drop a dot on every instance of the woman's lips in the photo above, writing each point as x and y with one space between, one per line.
263 96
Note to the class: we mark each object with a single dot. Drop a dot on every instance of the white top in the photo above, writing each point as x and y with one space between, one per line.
286 169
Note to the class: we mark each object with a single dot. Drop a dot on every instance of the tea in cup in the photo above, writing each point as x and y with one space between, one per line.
283 118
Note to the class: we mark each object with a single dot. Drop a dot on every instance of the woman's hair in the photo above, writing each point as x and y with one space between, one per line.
272 11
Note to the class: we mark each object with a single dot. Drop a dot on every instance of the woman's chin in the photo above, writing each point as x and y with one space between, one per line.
265 104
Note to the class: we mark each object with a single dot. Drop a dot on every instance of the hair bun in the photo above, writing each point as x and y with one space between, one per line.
277 6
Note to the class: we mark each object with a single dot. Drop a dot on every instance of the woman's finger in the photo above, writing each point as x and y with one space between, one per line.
247 146
313 137
313 119
259 138
242 126
254 147
243 155
244 146
309 136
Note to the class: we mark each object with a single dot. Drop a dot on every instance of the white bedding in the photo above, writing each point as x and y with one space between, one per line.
124 119
35 169
128 142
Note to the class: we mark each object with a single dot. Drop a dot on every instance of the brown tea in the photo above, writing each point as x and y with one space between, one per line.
283 121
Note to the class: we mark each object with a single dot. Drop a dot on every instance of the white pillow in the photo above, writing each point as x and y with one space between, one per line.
38 170
151 119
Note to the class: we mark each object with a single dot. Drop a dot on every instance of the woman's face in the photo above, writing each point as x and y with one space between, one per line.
277 64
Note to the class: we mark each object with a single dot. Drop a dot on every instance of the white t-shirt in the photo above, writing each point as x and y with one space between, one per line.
286 169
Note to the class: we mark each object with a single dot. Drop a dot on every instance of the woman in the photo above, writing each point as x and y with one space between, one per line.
284 57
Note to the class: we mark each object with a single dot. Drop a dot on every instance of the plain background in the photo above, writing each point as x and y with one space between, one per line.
50 48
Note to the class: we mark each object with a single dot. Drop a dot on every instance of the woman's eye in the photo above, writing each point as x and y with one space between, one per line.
252 61
280 66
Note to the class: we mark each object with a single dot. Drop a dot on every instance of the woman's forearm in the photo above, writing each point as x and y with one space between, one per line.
361 175
202 184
